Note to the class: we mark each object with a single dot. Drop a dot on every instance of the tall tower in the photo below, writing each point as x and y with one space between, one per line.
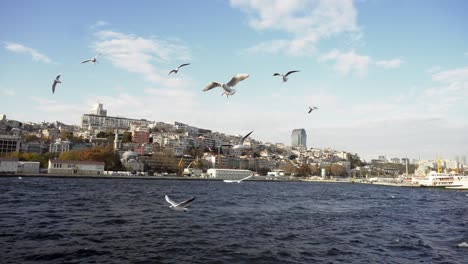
117 142
299 138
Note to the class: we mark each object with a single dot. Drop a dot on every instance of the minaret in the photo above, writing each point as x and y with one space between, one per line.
117 142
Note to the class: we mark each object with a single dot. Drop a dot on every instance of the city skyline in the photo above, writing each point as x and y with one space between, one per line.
388 79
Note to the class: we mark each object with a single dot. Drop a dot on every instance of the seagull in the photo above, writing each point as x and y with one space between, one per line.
179 206
176 70
93 60
238 181
20 178
285 76
241 142
228 90
312 109
55 83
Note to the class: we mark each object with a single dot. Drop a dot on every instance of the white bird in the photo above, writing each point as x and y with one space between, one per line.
228 90
20 178
240 145
55 83
176 70
93 59
285 76
312 109
238 181
179 206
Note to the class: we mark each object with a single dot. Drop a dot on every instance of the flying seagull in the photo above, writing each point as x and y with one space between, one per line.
238 181
312 109
228 90
179 206
241 142
285 76
55 83
176 70
93 59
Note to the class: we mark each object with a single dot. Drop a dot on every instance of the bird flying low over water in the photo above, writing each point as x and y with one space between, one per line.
285 76
312 109
228 90
93 59
176 70
55 83
179 206
238 181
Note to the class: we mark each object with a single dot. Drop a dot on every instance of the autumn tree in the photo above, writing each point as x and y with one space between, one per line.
304 170
337 170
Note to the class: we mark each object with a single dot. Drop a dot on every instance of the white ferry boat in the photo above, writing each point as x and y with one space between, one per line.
460 182
437 179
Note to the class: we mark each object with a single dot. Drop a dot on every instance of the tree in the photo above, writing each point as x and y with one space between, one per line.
315 170
263 171
303 170
31 138
104 154
355 161
337 170
126 137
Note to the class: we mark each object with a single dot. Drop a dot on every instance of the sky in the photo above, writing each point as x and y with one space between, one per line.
388 77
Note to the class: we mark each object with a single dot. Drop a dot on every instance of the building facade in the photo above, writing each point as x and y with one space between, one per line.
9 144
8 165
299 138
99 120
75 167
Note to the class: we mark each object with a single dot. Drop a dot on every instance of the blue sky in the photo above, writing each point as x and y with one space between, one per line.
389 77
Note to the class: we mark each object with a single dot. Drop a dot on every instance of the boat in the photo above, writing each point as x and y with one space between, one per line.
460 182
437 179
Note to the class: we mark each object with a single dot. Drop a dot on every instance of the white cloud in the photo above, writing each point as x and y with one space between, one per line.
99 23
349 62
303 22
36 55
390 64
137 54
8 92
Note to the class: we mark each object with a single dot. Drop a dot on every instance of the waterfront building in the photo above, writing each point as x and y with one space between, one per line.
299 138
8 165
8 144
34 147
28 167
75 167
228 174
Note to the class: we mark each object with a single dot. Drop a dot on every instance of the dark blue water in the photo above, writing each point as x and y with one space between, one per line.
128 221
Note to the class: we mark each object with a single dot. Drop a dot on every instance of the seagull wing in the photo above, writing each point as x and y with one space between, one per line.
211 85
99 54
86 61
53 86
169 200
172 72
186 203
248 177
241 142
58 77
276 74
185 64
289 72
310 110
237 78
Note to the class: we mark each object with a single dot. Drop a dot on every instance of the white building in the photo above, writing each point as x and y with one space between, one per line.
8 165
75 167
28 167
59 146
228 174
98 119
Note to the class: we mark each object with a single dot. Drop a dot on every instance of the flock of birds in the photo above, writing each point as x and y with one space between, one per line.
227 87
229 90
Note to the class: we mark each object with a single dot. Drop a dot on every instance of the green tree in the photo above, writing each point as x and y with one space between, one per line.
126 137
263 171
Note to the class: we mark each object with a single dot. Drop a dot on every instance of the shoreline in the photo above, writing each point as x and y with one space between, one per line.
45 175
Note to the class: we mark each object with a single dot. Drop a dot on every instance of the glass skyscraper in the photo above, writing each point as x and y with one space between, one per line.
299 138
